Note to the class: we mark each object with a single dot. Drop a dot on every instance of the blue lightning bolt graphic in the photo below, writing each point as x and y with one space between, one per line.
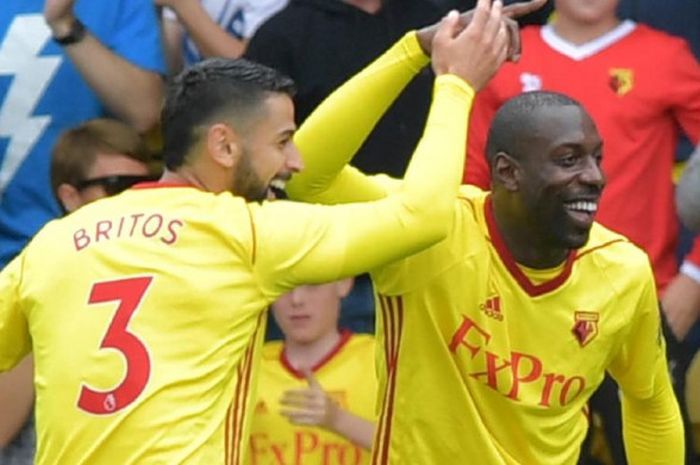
25 38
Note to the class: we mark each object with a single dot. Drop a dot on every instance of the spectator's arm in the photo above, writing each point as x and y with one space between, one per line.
130 92
210 38
172 40
681 300
16 399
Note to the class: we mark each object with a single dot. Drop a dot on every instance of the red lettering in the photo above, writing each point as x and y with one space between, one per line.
121 225
460 337
134 217
172 231
565 390
356 455
549 380
152 233
278 450
301 448
258 446
327 449
491 370
535 372
81 239
102 228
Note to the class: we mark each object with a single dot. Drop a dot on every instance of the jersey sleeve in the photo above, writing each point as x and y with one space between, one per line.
476 169
15 341
652 426
684 93
634 366
298 243
345 119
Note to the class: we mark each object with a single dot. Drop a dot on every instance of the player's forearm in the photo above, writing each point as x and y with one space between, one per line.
434 173
347 117
131 93
653 429
353 428
211 40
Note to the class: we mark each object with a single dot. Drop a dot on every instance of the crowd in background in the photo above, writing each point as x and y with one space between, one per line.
79 121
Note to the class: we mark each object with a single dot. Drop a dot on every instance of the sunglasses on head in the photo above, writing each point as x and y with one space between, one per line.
114 184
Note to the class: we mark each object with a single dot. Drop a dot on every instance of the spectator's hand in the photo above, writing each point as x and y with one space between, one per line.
59 16
475 53
681 305
310 406
169 3
515 10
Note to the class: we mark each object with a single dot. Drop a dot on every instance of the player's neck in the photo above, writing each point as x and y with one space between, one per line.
579 33
309 354
526 244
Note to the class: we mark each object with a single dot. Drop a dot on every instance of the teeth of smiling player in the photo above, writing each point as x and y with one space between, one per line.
278 184
588 207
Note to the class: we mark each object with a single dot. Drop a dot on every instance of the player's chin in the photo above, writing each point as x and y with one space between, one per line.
575 239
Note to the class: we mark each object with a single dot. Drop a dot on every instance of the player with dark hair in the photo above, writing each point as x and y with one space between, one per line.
495 338
145 311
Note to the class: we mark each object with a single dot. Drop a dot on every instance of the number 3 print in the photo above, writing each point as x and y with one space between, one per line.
129 293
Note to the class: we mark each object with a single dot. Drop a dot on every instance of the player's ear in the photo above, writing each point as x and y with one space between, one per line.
69 197
505 171
223 145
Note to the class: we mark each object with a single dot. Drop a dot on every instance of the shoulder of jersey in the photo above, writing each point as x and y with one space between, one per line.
612 249
271 350
361 340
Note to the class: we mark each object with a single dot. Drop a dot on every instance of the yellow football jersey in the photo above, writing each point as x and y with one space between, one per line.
145 310
507 364
346 374
483 361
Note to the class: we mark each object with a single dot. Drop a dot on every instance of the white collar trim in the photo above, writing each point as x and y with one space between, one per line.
583 51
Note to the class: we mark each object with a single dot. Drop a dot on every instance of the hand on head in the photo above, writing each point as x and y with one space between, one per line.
510 12
474 53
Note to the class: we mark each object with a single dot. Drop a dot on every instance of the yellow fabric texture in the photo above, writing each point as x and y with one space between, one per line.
348 377
476 366
166 287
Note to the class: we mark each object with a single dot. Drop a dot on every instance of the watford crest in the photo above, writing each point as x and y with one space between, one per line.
585 327
621 80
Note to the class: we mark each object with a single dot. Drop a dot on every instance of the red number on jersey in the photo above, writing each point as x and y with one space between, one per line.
129 293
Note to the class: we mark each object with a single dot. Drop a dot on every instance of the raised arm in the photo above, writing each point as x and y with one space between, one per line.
327 178
131 92
335 131
334 242
211 39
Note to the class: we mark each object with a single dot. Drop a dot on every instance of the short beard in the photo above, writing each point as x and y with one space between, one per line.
246 182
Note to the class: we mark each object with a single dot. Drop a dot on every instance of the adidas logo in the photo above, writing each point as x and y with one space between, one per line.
492 308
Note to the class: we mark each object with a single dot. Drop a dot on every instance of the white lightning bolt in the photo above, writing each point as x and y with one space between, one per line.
24 39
